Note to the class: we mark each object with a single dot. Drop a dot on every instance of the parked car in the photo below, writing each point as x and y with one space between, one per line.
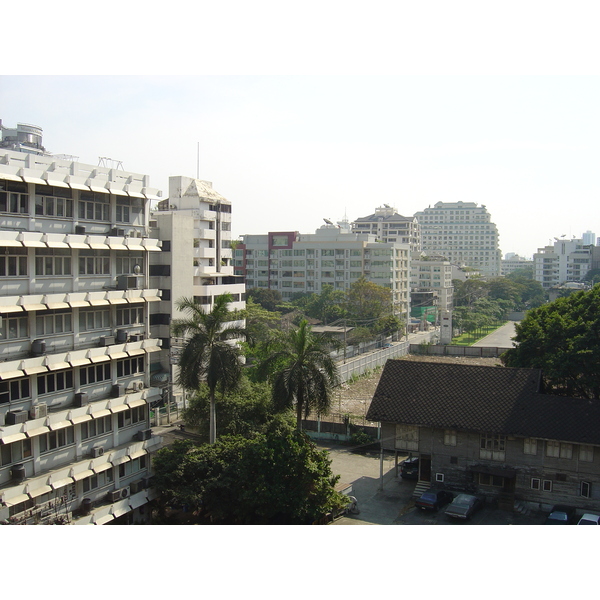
589 519
464 506
434 499
410 468
561 515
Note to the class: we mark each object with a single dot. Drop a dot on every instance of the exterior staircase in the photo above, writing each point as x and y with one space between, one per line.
421 487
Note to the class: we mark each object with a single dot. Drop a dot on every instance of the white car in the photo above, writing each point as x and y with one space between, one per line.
589 519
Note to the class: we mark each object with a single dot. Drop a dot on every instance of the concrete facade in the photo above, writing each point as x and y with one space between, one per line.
562 262
75 437
462 232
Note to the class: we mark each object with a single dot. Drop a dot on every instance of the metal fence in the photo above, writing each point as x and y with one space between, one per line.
471 351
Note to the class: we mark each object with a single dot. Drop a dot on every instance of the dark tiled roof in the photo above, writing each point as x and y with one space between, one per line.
483 399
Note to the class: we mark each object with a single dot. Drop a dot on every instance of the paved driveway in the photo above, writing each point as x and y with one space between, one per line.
501 338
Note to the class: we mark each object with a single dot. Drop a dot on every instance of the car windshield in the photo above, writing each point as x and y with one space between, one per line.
462 499
429 496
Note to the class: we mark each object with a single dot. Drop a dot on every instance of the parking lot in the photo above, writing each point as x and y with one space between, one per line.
394 505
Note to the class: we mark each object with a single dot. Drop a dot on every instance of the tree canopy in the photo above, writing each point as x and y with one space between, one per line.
563 339
277 476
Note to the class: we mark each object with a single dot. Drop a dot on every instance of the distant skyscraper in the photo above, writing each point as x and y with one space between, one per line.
463 233
588 238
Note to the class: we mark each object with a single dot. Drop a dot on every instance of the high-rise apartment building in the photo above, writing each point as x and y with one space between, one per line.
512 262
194 225
291 262
463 233
388 226
75 437
431 283
564 261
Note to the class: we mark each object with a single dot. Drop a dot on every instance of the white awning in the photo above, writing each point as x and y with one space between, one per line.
82 474
60 425
105 466
11 177
79 362
137 500
37 431
9 238
101 520
118 355
98 358
120 460
152 349
44 489
97 242
138 454
120 509
119 408
138 402
57 305
35 369
117 300
31 179
135 352
115 189
11 374
58 365
101 413
97 300
151 245
15 437
81 419
33 306
16 500
134 244
77 241
11 309
61 482
55 180
96 187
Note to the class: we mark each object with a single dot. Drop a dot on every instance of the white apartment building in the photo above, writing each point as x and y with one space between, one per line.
194 225
75 344
564 261
388 226
512 262
463 233
428 274
291 262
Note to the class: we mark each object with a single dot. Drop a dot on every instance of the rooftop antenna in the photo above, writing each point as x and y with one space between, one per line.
110 163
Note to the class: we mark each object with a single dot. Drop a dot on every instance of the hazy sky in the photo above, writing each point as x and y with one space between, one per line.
422 121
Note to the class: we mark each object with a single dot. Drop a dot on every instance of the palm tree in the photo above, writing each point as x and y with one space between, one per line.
302 372
208 355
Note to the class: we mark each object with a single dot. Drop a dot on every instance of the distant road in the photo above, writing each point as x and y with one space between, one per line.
501 338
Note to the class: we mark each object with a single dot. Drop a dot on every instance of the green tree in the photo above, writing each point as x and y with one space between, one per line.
208 353
267 298
563 339
277 476
241 411
366 300
327 306
466 293
302 372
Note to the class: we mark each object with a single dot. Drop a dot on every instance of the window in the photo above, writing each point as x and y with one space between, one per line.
535 483
15 389
566 450
54 382
585 489
123 210
97 481
530 446
407 437
94 373
131 416
13 262
52 262
13 197
547 485
13 328
492 447
559 450
94 262
493 480
53 201
586 453
11 453
134 466
127 264
56 439
49 322
131 315
450 437
96 427
130 366
94 319
94 206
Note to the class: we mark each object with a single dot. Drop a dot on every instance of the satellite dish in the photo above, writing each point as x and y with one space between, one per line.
328 221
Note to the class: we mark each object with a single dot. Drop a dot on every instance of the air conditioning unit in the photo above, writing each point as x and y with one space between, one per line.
144 435
136 486
128 282
81 399
38 347
38 411
107 340
136 386
121 336
96 452
117 495
17 473
136 337
117 232
86 506
79 229
117 390
16 416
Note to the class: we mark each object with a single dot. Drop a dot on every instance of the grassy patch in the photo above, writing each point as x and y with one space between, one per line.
468 339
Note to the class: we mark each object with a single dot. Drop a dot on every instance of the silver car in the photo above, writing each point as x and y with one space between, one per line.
464 506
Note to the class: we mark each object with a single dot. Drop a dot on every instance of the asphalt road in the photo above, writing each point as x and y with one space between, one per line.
501 338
